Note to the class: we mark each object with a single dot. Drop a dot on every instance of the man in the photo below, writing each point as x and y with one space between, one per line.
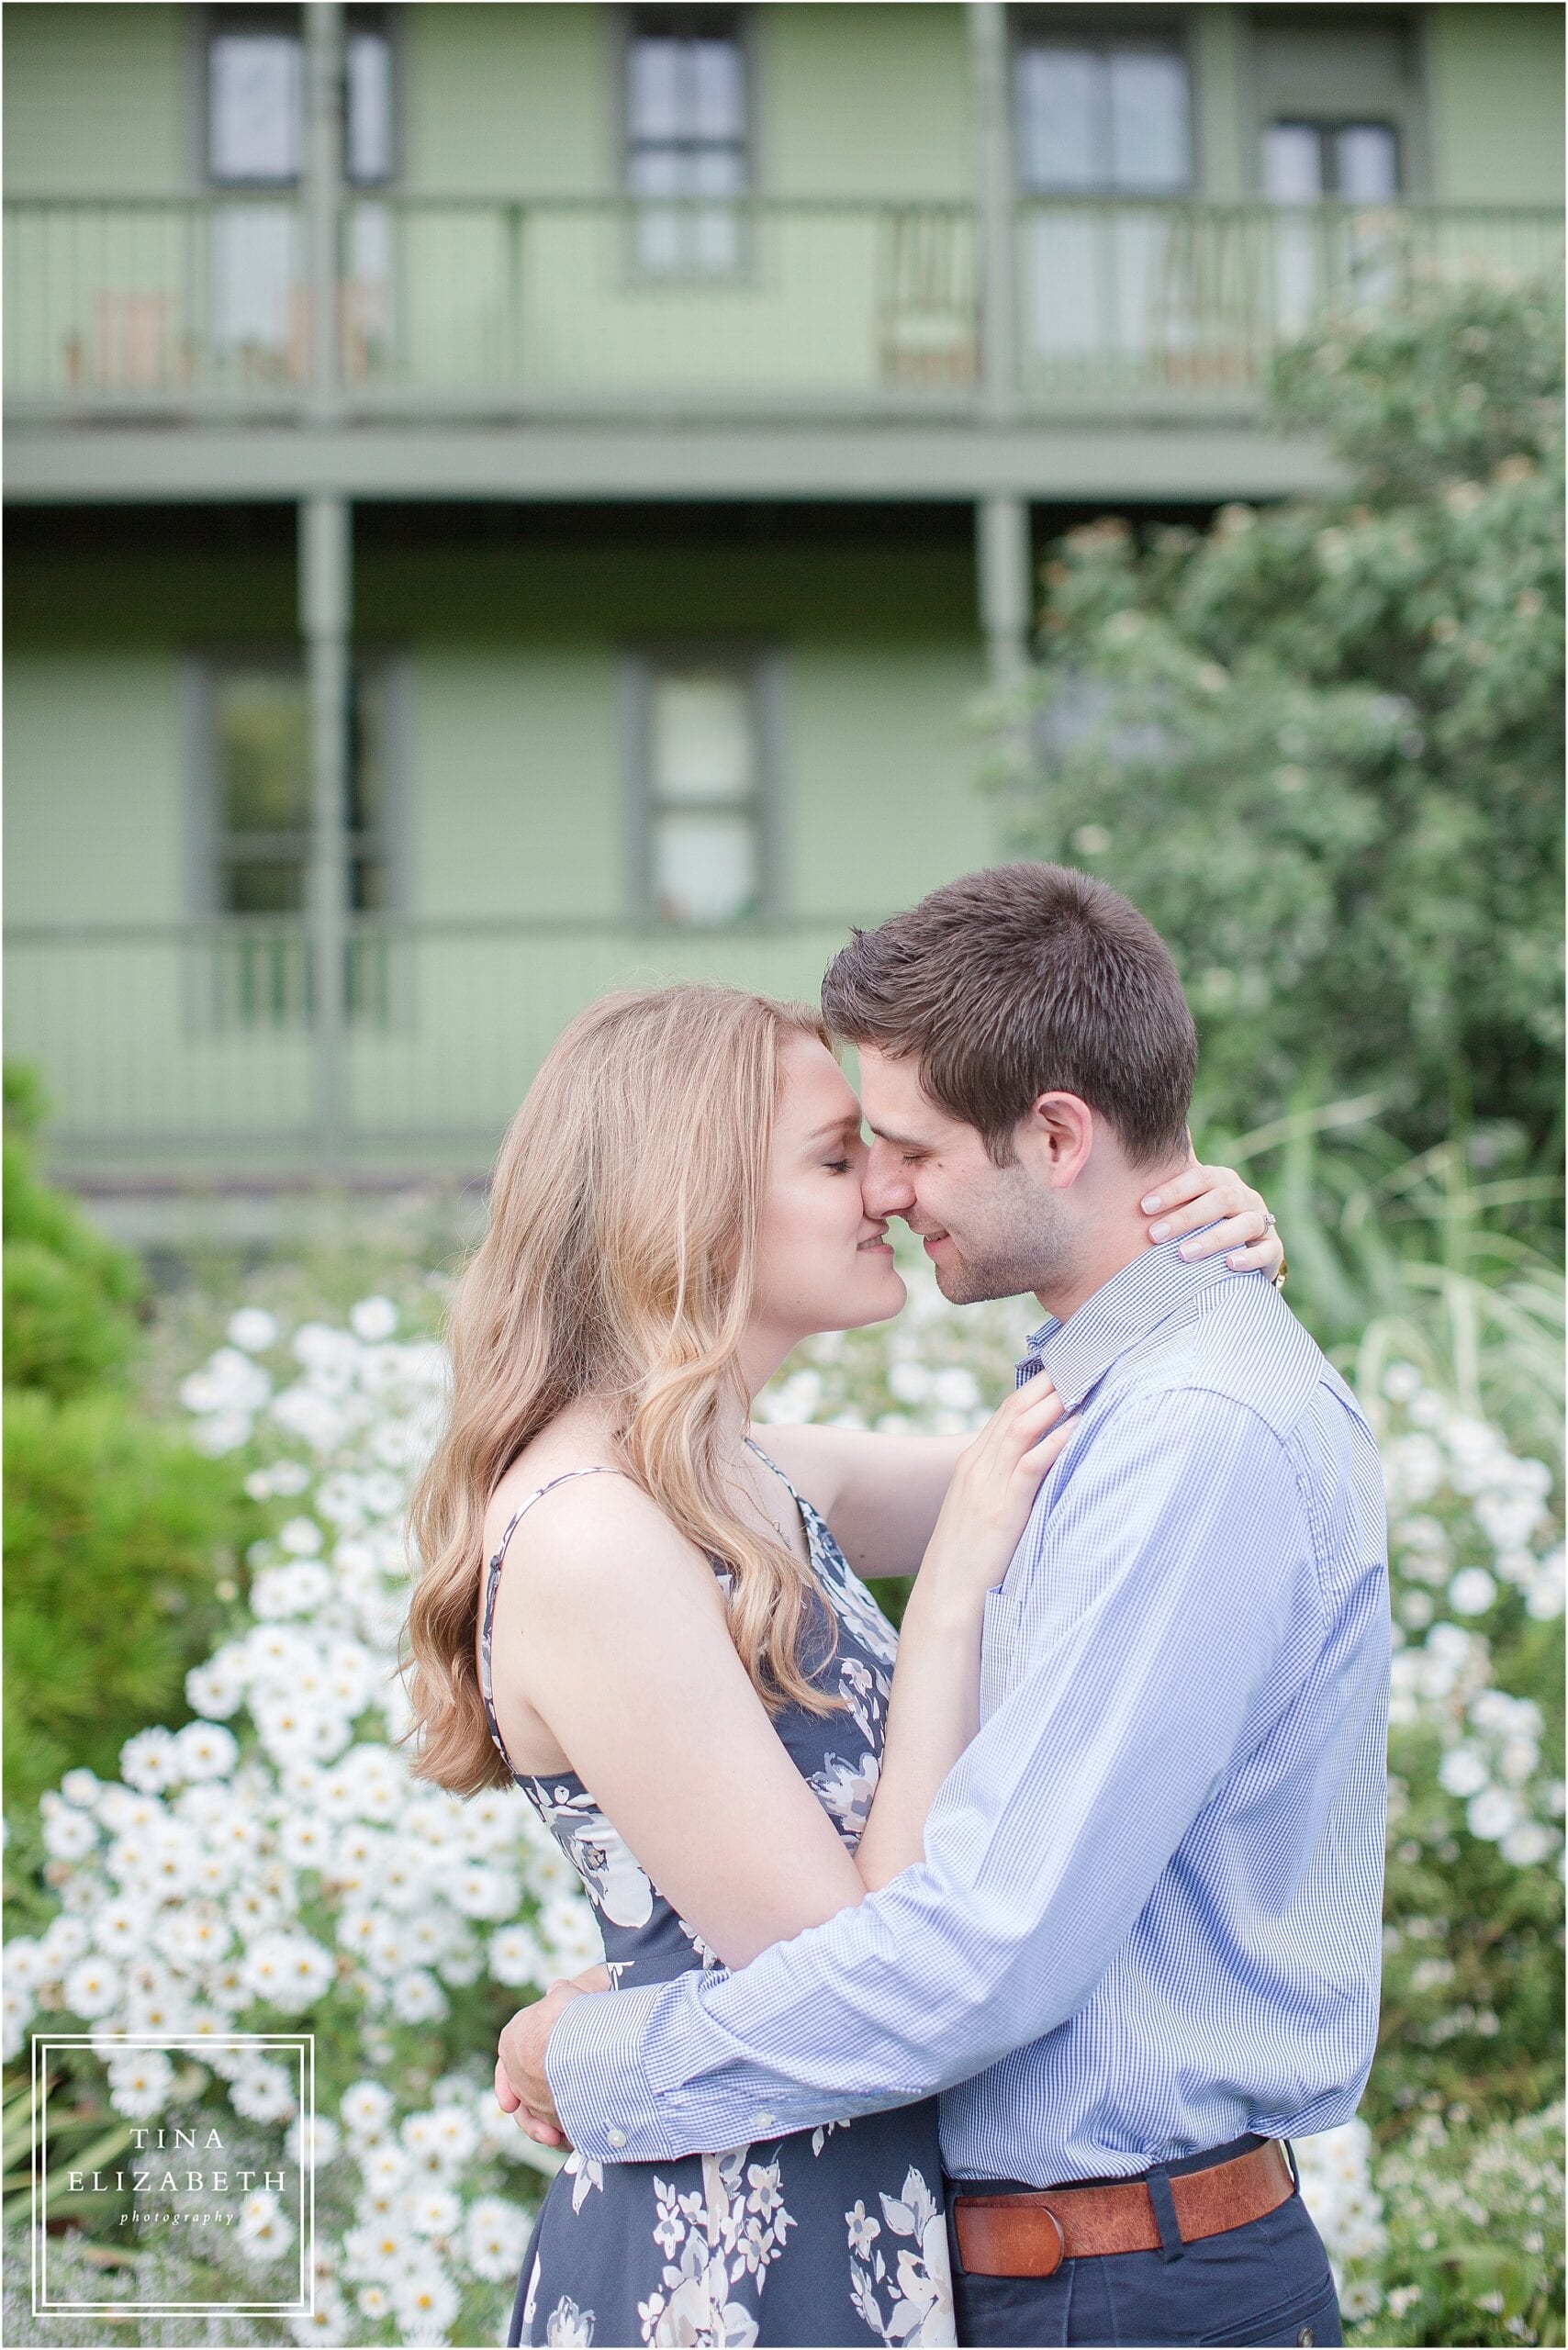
1142 1950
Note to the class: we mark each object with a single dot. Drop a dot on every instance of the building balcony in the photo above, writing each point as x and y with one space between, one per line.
200 310
194 1050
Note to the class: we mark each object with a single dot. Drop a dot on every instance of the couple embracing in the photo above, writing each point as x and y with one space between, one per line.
966 1985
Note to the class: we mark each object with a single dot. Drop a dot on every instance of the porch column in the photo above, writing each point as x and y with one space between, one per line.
1004 567
322 190
325 593
325 613
994 183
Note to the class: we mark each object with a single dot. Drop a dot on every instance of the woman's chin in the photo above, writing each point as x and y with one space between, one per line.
886 1298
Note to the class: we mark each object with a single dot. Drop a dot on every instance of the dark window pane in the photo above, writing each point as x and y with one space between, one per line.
368 886
367 754
262 753
256 106
260 888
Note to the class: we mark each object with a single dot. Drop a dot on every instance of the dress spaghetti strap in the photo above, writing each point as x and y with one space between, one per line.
492 1584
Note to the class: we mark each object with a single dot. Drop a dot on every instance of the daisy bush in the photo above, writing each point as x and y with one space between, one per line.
272 1864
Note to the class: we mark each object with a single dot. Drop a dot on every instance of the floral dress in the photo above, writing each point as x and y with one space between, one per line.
834 2235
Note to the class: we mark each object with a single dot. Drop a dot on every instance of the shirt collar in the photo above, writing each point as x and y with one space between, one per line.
1076 1353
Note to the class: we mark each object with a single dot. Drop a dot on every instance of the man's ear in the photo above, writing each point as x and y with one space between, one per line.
1058 1134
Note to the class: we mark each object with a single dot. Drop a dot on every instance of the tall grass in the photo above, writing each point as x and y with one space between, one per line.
1448 1259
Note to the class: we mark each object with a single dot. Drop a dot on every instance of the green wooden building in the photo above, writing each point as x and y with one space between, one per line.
505 500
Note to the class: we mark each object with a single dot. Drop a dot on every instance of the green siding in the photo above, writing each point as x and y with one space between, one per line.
863 101
1223 164
515 794
514 773
885 801
506 99
97 99
95 812
1496 100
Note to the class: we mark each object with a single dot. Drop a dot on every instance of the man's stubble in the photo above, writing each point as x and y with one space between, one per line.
1021 1241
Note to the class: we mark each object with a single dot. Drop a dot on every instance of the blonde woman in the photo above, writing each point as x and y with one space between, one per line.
681 1664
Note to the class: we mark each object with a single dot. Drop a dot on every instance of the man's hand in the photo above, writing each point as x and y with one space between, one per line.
522 2086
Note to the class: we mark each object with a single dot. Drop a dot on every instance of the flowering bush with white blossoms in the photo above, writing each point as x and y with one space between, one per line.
273 1862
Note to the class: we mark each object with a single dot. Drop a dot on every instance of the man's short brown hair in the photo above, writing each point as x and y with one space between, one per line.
1022 980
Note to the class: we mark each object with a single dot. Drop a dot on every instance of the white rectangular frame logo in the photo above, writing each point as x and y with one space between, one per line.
301 2045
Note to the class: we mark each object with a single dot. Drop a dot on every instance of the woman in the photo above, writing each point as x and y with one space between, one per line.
682 1667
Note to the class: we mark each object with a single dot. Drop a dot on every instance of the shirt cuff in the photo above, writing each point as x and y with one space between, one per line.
593 2064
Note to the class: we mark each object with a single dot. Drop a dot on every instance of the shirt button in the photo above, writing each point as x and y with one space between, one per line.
763 2120
615 2137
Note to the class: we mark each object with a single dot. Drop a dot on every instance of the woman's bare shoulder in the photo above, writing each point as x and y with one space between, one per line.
583 1533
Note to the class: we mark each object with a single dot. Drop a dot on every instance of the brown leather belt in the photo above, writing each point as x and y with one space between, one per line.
1031 2234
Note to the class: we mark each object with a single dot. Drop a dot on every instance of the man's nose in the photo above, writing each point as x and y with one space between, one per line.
886 1189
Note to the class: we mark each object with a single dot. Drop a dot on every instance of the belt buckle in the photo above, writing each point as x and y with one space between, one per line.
1039 2254
1061 2243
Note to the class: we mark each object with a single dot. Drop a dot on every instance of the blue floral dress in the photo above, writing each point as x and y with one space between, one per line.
834 2235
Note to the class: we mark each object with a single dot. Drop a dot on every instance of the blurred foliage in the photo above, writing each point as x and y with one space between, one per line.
1321 744
71 1294
115 1528
1475 2224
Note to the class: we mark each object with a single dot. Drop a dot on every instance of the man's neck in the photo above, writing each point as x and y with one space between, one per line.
1112 1241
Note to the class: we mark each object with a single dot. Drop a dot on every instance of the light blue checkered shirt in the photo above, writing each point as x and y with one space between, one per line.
1148 1915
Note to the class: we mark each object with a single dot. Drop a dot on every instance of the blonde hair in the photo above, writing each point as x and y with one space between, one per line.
620 1261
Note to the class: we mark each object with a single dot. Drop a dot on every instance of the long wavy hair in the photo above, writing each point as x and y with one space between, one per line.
619 1262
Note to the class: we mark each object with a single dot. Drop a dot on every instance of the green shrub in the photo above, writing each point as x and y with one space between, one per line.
70 1294
115 1527
1320 743
114 1532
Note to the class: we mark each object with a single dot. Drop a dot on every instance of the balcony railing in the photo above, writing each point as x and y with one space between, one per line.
196 306
191 1045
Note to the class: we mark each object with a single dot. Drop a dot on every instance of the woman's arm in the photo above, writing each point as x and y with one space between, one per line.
934 1708
882 1494
613 1627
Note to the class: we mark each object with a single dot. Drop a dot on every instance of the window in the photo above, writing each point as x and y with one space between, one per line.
256 113
255 791
1107 118
255 98
1355 163
686 137
701 765
1337 258
1102 117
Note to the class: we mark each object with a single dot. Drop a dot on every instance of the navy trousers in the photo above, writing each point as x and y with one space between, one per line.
1268 2282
